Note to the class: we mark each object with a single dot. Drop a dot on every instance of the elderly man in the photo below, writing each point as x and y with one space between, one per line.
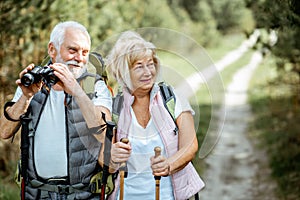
64 119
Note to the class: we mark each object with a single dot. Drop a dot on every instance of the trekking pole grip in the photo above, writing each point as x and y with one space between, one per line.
157 152
125 140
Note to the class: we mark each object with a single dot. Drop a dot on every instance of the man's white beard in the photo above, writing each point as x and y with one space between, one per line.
76 71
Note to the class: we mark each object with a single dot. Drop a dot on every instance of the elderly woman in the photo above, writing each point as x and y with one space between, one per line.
146 123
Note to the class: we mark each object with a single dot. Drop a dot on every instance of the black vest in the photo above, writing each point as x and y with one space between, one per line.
82 162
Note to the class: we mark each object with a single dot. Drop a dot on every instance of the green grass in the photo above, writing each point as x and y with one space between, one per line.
176 62
276 125
228 43
8 190
198 58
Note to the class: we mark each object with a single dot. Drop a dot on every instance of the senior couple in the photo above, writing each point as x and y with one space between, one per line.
65 139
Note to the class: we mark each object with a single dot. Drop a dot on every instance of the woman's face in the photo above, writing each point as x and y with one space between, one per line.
142 74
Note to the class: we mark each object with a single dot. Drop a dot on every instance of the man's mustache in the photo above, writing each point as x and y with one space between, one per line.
74 62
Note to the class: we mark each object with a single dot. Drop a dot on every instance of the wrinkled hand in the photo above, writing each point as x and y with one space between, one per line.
66 79
33 88
159 166
120 152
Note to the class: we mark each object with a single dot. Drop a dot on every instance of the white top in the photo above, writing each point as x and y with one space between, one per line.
140 183
50 148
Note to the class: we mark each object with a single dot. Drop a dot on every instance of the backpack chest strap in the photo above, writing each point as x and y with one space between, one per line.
59 188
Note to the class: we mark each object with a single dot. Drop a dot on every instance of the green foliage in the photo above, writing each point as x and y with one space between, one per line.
21 30
229 14
206 24
193 9
26 26
276 124
9 192
228 43
247 22
284 18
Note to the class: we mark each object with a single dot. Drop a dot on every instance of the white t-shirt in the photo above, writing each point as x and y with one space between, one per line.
140 183
50 148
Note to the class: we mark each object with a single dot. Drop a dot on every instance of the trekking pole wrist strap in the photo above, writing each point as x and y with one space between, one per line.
9 104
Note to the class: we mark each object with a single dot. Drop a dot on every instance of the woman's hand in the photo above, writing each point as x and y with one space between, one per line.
120 152
160 166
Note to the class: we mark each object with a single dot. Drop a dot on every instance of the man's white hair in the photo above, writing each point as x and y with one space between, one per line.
57 36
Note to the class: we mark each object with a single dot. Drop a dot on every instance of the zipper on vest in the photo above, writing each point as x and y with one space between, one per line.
67 143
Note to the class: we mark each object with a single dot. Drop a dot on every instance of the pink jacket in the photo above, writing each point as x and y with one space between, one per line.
185 182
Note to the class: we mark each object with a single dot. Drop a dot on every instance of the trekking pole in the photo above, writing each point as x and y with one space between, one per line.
122 172
110 128
24 152
157 151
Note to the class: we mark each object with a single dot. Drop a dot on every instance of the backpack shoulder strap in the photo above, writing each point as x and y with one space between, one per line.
117 106
168 98
167 95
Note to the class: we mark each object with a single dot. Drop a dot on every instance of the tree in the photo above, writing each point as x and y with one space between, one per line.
22 24
228 14
284 17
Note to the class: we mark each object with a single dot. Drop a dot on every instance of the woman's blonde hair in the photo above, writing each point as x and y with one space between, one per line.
129 48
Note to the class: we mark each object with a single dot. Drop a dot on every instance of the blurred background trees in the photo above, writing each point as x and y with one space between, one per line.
284 18
26 25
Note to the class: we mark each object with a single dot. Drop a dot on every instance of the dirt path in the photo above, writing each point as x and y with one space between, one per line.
235 169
